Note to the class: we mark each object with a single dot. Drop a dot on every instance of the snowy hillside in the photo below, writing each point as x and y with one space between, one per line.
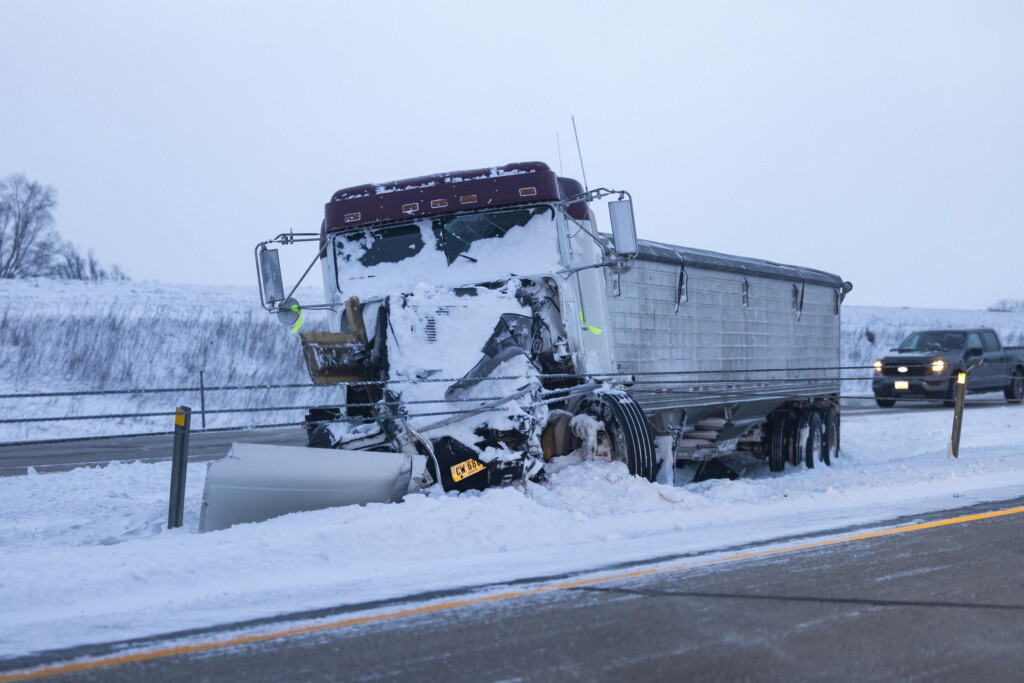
67 336
80 336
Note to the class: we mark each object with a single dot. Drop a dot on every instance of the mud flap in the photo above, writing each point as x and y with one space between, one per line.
256 482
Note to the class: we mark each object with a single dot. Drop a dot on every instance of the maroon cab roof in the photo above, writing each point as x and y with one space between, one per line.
521 183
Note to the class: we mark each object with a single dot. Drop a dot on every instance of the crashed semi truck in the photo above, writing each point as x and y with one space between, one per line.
483 325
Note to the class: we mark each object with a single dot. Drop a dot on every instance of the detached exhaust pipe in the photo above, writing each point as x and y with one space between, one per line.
256 482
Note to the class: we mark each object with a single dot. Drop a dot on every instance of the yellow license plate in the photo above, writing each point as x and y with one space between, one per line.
466 468
901 385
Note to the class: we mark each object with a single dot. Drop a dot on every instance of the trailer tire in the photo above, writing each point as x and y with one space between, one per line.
885 402
830 444
809 447
780 439
1014 391
628 430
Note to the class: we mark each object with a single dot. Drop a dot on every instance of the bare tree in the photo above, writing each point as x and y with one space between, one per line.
1008 306
26 227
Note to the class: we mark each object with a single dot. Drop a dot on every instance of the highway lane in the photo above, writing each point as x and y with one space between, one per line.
936 601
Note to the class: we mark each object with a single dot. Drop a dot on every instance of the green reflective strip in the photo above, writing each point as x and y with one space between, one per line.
589 326
298 323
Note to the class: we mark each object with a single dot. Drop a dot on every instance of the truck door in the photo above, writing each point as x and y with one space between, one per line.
993 371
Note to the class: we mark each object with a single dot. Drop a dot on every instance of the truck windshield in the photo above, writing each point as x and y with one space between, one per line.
457 233
933 341
451 235
450 250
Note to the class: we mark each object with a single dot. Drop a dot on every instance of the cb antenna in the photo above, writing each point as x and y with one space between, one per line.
586 188
558 142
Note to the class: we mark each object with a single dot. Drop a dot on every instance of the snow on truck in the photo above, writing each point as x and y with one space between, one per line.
485 326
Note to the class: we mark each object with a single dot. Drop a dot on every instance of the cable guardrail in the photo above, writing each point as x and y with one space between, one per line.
738 382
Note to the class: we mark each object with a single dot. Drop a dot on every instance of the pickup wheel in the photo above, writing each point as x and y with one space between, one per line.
629 433
950 400
885 402
1014 392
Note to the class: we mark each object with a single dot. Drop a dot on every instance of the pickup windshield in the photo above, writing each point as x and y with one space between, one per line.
933 341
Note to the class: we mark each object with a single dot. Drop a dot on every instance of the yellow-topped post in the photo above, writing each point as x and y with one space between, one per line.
179 466
959 391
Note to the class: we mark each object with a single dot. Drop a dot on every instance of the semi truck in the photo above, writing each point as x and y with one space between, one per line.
484 324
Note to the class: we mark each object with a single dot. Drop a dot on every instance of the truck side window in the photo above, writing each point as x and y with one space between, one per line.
973 341
989 341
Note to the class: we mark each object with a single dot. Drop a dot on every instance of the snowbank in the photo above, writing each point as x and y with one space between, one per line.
86 557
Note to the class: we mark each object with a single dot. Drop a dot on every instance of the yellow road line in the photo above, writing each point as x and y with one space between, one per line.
54 670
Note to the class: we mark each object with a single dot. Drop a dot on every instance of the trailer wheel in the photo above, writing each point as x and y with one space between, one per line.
780 439
809 437
628 430
830 445
885 402
1014 392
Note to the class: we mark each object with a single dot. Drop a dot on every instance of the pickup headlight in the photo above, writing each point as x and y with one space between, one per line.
938 365
878 366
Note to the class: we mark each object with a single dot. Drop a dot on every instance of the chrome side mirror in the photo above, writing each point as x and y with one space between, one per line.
271 283
623 227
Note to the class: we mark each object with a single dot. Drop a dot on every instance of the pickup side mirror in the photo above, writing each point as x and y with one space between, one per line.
271 283
973 352
623 227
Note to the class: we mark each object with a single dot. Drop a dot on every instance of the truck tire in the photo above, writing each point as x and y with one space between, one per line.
1014 392
830 427
780 439
885 402
628 430
809 437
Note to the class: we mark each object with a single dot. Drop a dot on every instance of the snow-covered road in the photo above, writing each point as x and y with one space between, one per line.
86 558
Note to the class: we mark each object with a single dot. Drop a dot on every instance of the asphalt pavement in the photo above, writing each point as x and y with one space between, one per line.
938 601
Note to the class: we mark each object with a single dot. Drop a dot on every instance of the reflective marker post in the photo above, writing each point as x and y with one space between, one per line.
958 413
179 466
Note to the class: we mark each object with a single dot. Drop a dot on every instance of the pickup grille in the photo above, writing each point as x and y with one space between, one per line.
913 370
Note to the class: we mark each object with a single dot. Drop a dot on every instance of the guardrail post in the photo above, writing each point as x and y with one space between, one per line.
958 414
179 466
202 399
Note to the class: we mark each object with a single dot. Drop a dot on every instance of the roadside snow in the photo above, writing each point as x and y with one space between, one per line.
86 557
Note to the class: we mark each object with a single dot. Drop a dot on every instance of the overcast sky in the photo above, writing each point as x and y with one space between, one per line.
882 141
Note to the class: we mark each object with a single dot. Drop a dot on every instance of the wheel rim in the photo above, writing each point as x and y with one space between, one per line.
628 439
